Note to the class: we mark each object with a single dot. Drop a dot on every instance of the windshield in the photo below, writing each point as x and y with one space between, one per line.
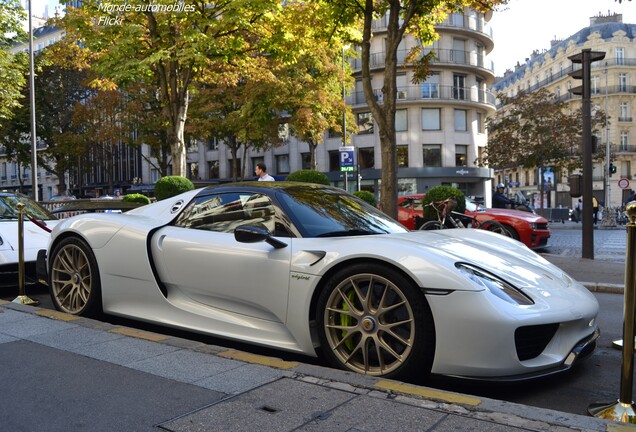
472 206
326 212
8 209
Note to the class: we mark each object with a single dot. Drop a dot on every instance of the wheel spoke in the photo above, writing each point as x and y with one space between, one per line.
369 324
71 280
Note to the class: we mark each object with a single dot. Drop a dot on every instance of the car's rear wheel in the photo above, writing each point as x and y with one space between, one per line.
74 278
494 226
432 225
372 320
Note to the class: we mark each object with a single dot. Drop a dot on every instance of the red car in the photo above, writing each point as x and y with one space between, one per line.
529 228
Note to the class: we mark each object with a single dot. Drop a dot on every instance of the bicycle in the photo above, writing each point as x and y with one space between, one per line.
447 217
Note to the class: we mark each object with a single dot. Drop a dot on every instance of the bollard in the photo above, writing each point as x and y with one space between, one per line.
22 298
623 410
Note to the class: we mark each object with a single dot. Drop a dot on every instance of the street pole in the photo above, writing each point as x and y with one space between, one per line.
344 112
34 156
607 148
585 58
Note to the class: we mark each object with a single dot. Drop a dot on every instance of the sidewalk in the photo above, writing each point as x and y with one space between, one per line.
63 373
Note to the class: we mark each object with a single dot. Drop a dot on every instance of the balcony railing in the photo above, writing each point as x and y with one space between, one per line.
446 56
456 20
626 148
430 92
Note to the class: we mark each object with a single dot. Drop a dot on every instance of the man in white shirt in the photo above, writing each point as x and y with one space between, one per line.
261 172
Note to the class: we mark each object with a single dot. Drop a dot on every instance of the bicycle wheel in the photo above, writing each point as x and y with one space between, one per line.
493 226
432 225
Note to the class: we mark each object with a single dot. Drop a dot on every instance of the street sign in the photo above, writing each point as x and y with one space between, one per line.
623 183
346 159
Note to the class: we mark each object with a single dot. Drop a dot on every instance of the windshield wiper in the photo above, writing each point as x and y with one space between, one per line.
345 233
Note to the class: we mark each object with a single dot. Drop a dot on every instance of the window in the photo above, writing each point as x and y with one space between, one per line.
461 155
430 87
283 132
622 82
461 123
624 140
459 87
305 161
154 175
402 86
192 145
282 164
365 123
225 212
366 157
193 171
431 119
401 120
624 115
213 169
403 156
213 144
626 169
432 155
480 123
3 173
334 160
619 54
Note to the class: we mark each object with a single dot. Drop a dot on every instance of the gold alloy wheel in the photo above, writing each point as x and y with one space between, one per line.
71 278
369 324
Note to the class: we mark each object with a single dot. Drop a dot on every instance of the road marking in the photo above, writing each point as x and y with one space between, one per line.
428 393
258 359
139 334
57 315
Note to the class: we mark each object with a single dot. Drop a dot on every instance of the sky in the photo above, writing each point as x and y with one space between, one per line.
527 25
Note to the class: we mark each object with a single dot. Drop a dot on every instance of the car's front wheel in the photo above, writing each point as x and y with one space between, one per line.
372 320
74 278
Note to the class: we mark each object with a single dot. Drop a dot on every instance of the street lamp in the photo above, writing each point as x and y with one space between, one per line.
344 111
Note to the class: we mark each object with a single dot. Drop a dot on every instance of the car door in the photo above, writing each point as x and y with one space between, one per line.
199 257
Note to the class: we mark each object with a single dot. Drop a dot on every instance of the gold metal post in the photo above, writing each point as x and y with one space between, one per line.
623 410
22 298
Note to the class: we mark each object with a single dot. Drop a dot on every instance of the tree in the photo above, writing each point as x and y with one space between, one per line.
12 67
415 17
534 130
176 44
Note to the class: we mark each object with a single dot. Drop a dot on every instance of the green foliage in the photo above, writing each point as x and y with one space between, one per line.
440 193
136 197
12 67
366 196
308 176
170 186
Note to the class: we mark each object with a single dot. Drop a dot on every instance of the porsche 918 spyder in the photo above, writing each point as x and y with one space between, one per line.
314 270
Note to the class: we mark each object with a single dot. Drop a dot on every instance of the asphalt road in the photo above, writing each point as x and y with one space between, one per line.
596 379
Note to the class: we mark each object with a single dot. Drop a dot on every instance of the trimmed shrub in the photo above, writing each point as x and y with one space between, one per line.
136 197
170 186
366 196
308 176
440 193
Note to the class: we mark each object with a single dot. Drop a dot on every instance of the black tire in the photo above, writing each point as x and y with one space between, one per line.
432 225
494 226
74 283
389 334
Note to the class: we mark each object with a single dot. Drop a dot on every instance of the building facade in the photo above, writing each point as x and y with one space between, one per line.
440 126
613 90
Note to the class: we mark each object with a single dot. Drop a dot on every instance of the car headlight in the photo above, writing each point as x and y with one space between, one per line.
495 285
533 226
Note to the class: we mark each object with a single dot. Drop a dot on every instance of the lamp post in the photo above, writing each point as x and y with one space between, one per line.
34 156
344 111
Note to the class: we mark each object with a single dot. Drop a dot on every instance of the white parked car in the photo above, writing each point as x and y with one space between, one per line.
312 269
36 236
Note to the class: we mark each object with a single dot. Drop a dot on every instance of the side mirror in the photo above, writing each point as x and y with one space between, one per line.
253 234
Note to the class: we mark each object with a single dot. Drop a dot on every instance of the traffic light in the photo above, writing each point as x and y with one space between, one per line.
612 169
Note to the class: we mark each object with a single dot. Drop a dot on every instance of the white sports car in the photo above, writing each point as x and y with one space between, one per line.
35 236
314 270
